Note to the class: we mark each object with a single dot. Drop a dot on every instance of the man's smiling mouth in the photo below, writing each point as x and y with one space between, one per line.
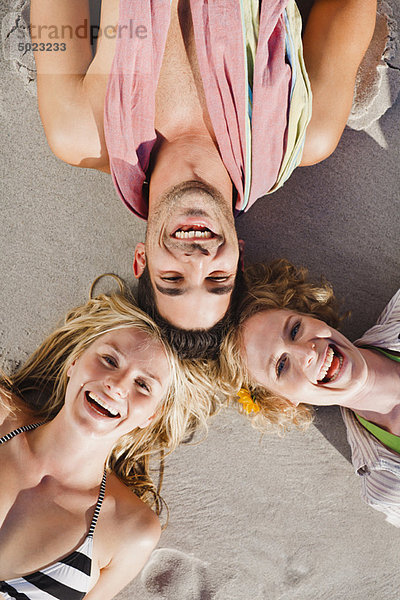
332 364
193 232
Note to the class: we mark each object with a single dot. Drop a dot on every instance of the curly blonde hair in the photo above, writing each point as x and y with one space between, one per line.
279 285
40 385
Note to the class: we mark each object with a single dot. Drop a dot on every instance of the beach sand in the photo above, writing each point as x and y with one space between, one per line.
270 519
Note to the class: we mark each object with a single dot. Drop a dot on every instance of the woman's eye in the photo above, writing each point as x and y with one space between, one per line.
295 331
110 361
143 385
280 366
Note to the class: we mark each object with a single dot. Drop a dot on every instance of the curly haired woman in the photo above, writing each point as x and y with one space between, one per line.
287 354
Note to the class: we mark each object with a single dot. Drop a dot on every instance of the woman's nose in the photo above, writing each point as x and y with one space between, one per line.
307 353
118 385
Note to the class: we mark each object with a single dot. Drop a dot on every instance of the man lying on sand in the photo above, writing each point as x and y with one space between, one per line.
197 109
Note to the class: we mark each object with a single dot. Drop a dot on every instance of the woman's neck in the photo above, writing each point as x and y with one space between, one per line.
379 399
60 449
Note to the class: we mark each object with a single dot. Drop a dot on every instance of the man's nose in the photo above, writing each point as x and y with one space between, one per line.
196 249
197 257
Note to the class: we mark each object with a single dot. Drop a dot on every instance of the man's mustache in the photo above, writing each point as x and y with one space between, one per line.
194 246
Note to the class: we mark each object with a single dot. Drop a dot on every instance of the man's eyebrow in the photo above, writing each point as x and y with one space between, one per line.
219 290
222 289
170 291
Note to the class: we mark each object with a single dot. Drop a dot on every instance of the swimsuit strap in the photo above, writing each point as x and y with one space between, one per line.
98 505
15 432
100 499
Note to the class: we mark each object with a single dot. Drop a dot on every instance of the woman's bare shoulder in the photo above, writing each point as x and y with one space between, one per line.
134 520
127 504
126 534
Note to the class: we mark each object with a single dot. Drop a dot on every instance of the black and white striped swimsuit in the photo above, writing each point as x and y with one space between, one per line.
67 579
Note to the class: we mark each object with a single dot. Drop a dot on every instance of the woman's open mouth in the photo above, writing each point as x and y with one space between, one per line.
193 232
332 364
100 406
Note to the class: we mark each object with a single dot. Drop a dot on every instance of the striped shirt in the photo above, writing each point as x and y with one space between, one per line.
377 466
66 579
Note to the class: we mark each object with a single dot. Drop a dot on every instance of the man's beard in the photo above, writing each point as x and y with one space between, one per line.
182 194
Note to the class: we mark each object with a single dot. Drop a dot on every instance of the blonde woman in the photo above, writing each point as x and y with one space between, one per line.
287 355
78 423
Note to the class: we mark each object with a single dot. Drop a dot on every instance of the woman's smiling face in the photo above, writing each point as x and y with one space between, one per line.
301 358
118 382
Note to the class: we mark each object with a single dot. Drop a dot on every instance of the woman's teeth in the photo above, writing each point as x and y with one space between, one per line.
101 406
331 367
327 364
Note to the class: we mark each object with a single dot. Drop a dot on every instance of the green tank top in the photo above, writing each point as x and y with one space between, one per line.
385 437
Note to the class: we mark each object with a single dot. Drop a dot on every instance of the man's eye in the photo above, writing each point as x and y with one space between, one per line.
110 360
218 278
175 278
280 365
295 331
143 385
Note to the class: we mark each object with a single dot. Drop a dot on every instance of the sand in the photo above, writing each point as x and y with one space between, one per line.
277 519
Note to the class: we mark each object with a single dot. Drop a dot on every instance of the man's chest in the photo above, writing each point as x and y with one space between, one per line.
180 97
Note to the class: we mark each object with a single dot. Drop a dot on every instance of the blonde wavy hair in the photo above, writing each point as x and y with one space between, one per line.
40 385
279 285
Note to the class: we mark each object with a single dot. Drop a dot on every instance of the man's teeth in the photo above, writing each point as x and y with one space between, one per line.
192 233
104 404
328 361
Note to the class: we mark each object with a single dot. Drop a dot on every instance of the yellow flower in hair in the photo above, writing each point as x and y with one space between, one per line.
245 399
